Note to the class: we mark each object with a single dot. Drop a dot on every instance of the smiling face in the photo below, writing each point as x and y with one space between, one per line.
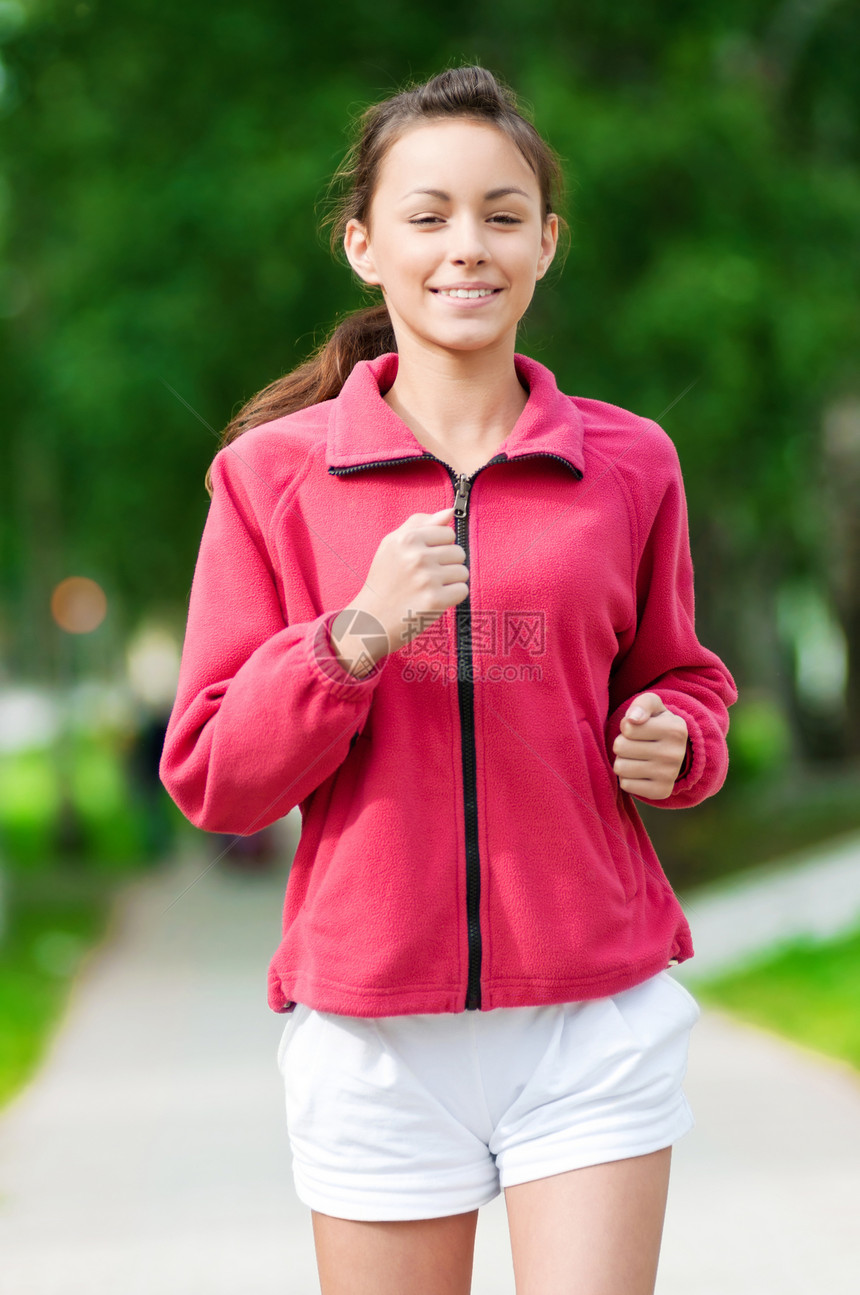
456 206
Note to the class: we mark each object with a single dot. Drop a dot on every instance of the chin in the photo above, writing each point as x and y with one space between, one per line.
465 345
468 337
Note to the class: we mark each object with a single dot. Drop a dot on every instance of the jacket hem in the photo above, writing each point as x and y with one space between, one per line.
350 1000
514 991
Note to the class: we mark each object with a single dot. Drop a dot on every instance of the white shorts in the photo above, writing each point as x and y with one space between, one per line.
412 1117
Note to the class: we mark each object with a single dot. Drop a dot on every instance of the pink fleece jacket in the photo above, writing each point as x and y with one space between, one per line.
465 842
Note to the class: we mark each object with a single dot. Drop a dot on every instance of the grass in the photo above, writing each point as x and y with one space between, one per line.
53 920
807 991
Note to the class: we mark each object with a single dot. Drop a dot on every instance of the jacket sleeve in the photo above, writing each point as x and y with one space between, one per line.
264 711
662 654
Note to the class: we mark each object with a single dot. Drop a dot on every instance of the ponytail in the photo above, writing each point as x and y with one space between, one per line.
362 335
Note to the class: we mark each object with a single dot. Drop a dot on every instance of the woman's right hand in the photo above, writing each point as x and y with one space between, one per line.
417 573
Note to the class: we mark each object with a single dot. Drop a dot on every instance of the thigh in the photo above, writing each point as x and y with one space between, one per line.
607 1086
592 1231
421 1256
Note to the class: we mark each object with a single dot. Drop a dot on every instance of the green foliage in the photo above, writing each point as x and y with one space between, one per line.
163 170
29 804
759 739
108 824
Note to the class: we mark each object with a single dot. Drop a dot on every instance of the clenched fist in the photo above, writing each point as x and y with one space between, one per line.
650 749
417 573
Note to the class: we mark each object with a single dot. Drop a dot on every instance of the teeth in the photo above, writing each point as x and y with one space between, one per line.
465 292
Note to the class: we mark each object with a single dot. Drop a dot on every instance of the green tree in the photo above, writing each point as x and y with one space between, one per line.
160 263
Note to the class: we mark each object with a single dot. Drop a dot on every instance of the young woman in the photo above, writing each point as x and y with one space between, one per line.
448 611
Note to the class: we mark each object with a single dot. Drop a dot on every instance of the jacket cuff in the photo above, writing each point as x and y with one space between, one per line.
326 666
688 760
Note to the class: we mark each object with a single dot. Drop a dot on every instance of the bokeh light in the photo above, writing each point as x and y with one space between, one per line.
78 605
152 661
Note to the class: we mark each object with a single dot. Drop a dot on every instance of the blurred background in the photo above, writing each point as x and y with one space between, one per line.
162 173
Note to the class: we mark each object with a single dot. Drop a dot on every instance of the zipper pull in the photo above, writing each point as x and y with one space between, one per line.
461 499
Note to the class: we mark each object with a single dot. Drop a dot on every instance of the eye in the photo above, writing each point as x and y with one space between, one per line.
429 220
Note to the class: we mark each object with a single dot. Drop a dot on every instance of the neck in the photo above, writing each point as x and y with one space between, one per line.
454 403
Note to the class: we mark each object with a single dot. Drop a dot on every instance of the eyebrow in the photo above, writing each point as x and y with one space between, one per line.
488 197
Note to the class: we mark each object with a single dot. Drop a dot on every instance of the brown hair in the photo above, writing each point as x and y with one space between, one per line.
364 334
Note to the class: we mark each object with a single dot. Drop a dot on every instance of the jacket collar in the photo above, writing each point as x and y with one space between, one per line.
363 430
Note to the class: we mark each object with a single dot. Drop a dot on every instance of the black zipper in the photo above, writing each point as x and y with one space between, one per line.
547 454
466 697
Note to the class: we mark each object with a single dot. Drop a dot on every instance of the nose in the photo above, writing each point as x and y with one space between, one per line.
467 245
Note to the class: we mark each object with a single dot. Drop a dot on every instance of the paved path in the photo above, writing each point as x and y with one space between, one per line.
150 1154
814 894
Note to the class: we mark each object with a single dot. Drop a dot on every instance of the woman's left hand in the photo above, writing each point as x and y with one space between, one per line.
650 748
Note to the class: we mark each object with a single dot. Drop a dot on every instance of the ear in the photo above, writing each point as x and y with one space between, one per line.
356 244
549 243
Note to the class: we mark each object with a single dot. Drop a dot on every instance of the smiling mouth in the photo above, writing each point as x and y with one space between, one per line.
466 294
